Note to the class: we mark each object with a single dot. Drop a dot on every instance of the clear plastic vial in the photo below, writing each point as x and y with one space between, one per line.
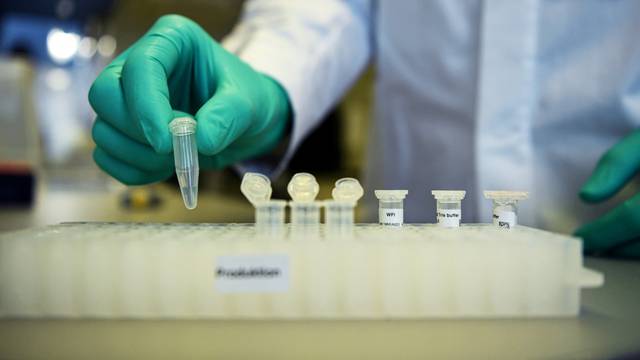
505 207
448 207
185 154
270 214
391 207
339 212
305 213
303 189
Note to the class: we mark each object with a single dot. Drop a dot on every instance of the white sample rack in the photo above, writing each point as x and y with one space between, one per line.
120 270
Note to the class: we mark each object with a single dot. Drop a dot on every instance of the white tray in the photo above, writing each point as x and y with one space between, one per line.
109 270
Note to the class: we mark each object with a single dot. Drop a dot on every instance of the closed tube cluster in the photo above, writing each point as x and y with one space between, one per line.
305 209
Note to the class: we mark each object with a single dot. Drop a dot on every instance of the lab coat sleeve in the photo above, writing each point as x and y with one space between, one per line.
314 48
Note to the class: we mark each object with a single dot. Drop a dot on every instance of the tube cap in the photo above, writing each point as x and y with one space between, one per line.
255 187
391 195
347 190
448 195
506 195
182 126
303 187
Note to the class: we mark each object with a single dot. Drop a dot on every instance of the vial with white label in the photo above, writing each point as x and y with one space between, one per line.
505 207
391 207
303 189
448 207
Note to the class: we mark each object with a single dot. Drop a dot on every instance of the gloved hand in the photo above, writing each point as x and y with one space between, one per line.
176 65
618 231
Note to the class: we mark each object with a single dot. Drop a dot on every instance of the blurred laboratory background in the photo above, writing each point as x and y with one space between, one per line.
50 53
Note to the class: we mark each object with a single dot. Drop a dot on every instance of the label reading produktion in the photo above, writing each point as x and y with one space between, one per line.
252 273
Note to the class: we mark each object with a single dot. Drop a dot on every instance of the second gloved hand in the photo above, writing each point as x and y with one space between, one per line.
618 231
177 67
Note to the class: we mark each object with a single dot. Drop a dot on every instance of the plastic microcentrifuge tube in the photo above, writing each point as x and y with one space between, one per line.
257 189
185 154
505 207
391 207
270 213
448 209
339 211
303 189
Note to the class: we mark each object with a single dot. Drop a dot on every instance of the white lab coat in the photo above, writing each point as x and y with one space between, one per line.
471 95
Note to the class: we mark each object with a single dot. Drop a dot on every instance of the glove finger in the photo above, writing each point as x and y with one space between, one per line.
222 120
145 75
107 100
209 162
614 228
129 151
629 251
126 173
238 151
616 167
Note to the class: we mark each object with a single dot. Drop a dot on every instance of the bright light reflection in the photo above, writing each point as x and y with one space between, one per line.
88 47
106 45
62 46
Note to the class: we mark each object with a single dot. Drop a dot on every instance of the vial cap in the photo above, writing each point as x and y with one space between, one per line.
303 187
391 195
448 195
347 190
182 126
256 187
505 195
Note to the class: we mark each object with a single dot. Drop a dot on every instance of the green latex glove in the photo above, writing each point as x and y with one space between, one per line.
617 232
177 67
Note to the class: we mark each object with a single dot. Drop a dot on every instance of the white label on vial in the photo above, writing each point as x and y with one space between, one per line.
391 217
449 217
505 219
252 273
